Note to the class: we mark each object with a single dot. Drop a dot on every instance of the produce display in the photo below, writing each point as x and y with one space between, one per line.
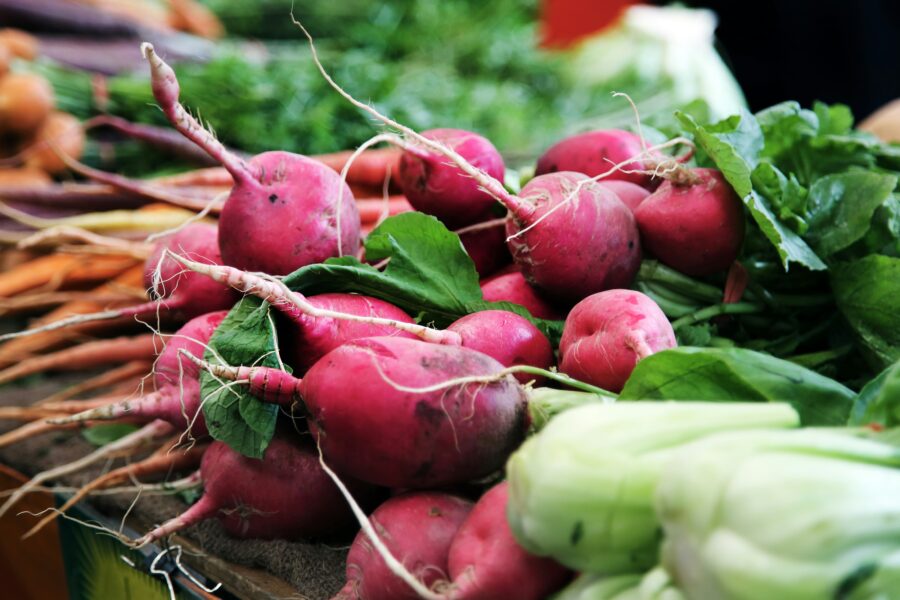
655 360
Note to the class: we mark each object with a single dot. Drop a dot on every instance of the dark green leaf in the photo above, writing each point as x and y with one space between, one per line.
879 401
429 272
840 208
100 435
867 292
736 154
233 415
738 375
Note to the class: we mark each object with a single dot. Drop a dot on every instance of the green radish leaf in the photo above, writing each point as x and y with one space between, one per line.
734 146
428 274
233 415
100 435
867 292
738 375
879 401
840 208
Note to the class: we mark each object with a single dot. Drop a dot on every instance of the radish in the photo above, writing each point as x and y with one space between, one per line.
180 291
437 188
416 527
606 334
693 222
595 152
284 211
177 381
486 563
485 243
569 236
513 287
286 495
506 337
443 431
629 193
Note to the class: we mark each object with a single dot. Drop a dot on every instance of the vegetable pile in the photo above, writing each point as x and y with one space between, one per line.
665 366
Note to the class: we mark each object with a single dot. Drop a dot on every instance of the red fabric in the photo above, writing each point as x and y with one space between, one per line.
565 22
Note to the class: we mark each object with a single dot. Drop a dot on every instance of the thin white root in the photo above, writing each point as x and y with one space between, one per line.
395 566
274 291
132 440
488 184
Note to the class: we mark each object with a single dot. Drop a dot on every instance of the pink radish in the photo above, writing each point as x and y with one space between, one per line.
418 529
569 236
512 287
284 211
506 337
486 563
595 152
437 188
693 223
606 334
485 243
450 413
177 381
286 495
629 193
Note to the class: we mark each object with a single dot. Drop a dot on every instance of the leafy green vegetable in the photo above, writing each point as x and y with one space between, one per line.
428 273
734 146
738 375
867 292
879 401
105 433
233 415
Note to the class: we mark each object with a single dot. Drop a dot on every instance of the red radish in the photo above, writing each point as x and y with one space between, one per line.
180 291
629 193
286 495
596 152
309 316
177 381
507 338
485 243
189 293
606 334
694 224
391 412
284 211
418 529
600 251
512 287
312 337
569 236
437 188
486 563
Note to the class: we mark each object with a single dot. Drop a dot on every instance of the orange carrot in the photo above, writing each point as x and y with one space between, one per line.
372 209
193 17
369 169
25 101
47 410
86 356
59 270
25 176
19 43
33 429
128 375
60 131
16 349
210 176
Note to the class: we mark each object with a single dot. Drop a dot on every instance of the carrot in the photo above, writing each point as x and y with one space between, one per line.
193 17
48 410
14 350
19 43
25 102
372 209
128 375
60 270
143 220
25 176
370 168
61 130
166 459
5 58
211 176
86 356
33 302
30 430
